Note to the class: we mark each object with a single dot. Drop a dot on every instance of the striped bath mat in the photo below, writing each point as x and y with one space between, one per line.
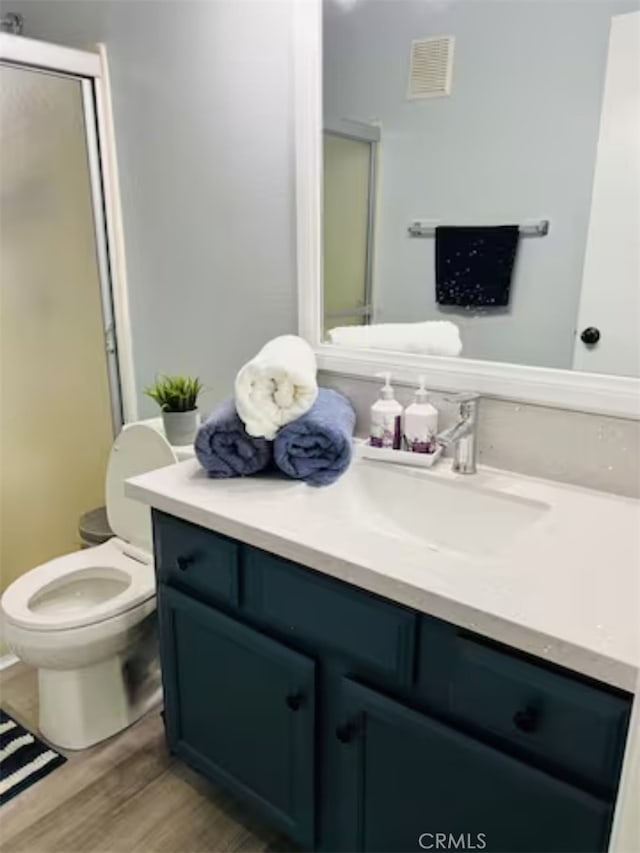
24 758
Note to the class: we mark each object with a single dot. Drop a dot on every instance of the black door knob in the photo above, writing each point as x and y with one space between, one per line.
183 563
590 336
295 700
346 732
527 719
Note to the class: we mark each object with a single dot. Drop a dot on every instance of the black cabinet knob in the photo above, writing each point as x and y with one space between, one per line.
590 336
294 700
183 563
345 733
527 719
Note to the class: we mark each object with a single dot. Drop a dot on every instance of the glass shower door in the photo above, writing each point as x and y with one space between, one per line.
347 178
56 424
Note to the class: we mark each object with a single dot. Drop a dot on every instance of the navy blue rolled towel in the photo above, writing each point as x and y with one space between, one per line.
317 446
224 449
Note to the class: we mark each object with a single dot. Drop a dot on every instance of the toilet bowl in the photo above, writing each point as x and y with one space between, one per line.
87 619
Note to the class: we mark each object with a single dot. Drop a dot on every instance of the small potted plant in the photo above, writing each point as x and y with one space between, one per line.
177 397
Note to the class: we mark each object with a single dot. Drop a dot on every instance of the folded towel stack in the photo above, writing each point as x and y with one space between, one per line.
280 415
431 337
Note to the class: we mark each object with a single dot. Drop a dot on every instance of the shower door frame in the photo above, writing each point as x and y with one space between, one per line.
91 71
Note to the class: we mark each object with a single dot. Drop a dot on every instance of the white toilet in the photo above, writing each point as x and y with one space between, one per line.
87 620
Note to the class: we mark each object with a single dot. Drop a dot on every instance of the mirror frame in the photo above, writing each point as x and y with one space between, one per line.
567 389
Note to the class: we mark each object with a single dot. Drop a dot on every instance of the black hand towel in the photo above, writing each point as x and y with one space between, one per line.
474 265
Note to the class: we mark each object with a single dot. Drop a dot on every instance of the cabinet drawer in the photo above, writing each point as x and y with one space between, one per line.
196 559
563 721
304 604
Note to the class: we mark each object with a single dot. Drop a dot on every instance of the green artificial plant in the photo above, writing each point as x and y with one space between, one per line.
175 393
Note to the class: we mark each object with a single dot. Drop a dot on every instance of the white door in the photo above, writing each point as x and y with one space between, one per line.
610 300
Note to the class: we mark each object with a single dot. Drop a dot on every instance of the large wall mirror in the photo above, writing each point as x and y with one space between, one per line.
479 170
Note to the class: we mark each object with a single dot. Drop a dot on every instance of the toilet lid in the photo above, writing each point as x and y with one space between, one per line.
138 449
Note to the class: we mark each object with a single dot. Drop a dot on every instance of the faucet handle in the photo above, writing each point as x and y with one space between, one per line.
462 397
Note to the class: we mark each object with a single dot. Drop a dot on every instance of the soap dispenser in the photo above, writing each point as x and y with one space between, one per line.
421 423
386 417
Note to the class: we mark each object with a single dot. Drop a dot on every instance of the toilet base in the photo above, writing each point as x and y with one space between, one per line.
81 707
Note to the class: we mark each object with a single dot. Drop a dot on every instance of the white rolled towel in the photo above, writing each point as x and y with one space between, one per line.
277 386
431 337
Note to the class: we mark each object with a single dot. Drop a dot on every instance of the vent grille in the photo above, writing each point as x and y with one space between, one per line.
431 67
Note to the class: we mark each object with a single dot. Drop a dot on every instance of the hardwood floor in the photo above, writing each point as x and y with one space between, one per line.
126 794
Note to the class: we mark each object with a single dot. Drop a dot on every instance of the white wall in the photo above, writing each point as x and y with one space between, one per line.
201 97
515 141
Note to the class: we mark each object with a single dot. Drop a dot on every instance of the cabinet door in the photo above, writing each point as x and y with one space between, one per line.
240 708
411 783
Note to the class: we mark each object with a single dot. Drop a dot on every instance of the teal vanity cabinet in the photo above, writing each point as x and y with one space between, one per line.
353 723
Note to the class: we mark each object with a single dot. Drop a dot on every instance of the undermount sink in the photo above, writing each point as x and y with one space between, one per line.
451 515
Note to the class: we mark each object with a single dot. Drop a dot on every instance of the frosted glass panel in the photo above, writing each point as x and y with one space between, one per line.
346 207
55 420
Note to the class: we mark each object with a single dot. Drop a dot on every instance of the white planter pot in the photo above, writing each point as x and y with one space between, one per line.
181 427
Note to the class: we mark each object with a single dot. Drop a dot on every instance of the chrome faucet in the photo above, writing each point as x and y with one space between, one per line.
463 434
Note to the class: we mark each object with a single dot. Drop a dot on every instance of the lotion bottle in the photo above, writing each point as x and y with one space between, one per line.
421 423
386 418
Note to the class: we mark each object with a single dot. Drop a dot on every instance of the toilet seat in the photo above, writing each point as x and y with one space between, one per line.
55 596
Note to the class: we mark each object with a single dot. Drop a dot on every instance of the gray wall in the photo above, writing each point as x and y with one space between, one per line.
201 98
516 140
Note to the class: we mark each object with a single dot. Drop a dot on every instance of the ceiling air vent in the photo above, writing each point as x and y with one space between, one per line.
431 67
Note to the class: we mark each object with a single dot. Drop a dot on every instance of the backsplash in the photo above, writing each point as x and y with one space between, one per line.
589 450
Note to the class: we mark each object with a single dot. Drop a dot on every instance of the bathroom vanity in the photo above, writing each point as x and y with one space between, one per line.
335 681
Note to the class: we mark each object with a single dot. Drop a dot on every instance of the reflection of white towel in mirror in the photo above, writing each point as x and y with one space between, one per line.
433 337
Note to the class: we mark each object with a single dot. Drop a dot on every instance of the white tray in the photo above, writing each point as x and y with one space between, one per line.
400 457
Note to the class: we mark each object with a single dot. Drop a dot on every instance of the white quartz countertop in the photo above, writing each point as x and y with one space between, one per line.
566 589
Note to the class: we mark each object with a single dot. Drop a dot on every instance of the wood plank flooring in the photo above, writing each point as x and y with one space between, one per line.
126 795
